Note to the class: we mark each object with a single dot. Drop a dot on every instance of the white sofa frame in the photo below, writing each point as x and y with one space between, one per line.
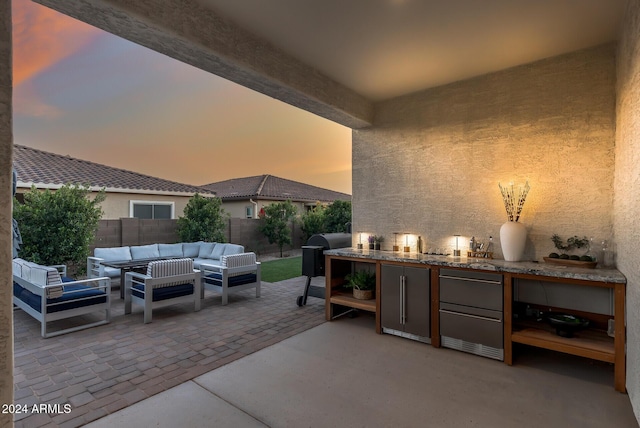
226 273
101 283
149 283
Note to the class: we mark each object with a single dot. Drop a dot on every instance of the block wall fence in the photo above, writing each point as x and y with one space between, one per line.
133 231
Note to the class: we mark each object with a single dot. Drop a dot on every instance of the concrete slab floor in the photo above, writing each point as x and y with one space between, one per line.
342 374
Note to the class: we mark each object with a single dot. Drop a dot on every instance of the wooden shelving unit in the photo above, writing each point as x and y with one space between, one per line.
336 268
345 298
590 343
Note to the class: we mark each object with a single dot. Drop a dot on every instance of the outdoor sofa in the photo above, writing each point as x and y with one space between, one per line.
45 293
199 252
225 267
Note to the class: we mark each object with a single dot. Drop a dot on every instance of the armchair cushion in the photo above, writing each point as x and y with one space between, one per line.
163 293
241 279
35 273
162 268
77 296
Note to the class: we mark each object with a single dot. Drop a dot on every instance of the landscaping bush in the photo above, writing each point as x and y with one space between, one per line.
275 223
331 219
204 220
57 227
313 222
337 216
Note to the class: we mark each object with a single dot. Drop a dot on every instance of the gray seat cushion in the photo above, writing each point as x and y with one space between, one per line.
113 254
145 252
170 250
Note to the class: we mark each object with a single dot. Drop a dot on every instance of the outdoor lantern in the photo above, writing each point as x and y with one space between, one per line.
456 252
359 240
396 247
406 243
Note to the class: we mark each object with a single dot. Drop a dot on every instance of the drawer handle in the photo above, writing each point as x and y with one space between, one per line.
486 281
444 311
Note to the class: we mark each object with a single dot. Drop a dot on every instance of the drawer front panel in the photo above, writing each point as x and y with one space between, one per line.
477 292
472 328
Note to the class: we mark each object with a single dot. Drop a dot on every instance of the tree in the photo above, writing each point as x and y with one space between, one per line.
58 227
204 220
313 221
275 221
337 215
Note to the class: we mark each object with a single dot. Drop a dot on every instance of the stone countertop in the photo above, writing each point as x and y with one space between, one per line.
529 267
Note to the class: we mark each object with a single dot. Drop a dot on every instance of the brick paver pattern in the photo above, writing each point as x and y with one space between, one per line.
101 370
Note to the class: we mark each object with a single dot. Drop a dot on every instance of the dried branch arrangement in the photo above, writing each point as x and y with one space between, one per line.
513 202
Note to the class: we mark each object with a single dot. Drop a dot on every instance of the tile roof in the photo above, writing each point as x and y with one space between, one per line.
50 170
270 187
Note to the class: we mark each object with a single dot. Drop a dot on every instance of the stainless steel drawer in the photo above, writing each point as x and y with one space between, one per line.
472 325
477 289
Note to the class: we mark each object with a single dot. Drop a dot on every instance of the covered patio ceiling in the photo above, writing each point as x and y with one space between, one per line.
336 58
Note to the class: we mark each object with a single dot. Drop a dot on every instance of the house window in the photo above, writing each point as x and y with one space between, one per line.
151 210
248 211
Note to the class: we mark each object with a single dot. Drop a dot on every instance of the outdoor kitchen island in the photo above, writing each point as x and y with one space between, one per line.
593 342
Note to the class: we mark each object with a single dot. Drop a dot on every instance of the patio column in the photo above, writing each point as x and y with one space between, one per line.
6 148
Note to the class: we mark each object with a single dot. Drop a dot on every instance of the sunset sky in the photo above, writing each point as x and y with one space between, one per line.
82 92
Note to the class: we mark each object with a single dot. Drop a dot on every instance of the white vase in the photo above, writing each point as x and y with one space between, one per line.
513 237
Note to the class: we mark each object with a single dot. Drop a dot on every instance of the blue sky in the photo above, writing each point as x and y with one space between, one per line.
85 93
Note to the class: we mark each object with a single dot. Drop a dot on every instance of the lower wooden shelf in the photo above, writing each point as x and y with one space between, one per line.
589 343
347 299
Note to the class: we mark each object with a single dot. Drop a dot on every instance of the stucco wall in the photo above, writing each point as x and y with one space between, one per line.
627 188
431 163
236 209
116 205
6 147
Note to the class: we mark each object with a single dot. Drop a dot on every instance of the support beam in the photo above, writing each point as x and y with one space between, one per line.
188 32
6 231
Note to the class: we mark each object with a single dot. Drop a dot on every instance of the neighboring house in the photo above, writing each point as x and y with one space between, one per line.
128 194
245 197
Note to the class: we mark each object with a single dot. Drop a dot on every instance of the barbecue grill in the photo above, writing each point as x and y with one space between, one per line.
313 260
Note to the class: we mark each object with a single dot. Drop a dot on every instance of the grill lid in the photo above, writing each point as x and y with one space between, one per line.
330 241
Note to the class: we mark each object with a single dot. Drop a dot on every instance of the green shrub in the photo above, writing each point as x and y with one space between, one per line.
274 223
337 215
313 221
204 220
57 227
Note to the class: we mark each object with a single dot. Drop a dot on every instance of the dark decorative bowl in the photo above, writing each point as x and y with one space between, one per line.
566 324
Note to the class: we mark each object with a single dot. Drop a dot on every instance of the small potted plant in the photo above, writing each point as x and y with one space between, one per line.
363 284
372 240
565 249
377 240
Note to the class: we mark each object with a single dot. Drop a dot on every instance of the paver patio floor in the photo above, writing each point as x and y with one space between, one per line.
100 370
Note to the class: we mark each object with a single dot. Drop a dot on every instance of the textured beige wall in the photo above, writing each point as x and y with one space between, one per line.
627 188
117 204
432 162
236 209
6 147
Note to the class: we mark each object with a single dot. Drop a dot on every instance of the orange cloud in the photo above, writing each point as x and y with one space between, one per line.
43 37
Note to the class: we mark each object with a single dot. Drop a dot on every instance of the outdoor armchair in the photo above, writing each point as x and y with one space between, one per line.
45 293
235 273
167 282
